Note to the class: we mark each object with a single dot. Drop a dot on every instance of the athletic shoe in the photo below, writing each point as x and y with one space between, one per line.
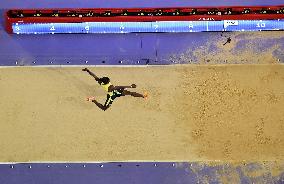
90 98
145 95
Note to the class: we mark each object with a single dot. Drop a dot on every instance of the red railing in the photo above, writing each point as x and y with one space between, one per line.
142 14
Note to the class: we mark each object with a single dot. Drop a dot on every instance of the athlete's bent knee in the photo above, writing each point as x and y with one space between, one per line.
105 108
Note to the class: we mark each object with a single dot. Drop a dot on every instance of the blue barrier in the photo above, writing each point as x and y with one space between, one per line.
148 27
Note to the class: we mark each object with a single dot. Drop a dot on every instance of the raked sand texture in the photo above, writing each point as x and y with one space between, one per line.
194 113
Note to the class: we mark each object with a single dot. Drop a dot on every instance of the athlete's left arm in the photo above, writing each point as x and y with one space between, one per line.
91 73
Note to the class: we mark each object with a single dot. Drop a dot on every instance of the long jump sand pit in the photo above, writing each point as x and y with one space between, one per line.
194 112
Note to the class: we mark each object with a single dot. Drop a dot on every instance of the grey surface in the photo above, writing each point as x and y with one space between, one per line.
137 173
161 48
111 48
101 173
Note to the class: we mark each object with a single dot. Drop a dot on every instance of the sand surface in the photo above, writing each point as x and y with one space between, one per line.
195 113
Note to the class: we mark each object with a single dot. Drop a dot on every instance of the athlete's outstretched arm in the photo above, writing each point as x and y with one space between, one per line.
91 73
123 87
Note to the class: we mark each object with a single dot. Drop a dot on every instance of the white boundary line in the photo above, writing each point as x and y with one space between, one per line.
137 161
99 162
81 66
138 66
93 162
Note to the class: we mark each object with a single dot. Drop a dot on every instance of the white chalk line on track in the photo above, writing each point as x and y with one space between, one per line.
137 66
137 161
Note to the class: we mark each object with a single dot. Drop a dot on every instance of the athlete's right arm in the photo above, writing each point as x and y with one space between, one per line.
123 87
120 87
91 73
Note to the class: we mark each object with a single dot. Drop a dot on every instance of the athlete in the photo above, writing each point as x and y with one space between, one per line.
112 91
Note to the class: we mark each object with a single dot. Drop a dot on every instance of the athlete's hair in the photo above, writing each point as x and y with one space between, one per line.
105 80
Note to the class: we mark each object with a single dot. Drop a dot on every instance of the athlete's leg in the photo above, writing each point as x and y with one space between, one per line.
134 94
101 106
